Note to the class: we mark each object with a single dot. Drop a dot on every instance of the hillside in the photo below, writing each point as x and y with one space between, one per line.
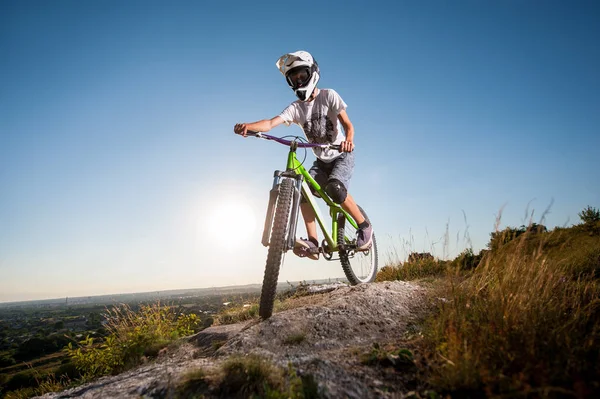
519 319
323 337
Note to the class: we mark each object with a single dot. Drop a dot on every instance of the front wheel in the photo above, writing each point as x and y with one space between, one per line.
359 266
276 247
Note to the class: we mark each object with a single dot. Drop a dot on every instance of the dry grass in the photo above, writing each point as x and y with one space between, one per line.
527 321
519 320
45 384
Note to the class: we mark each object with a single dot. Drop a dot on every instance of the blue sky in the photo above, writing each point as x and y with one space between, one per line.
117 151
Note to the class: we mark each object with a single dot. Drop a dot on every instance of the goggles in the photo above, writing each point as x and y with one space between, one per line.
298 77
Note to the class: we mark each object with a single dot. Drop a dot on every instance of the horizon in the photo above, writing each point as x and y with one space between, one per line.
120 172
59 298
114 294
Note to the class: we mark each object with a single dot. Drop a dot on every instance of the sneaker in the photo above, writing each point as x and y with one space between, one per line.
306 248
364 238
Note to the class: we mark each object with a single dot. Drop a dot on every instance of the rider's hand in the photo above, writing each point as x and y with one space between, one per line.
347 146
241 128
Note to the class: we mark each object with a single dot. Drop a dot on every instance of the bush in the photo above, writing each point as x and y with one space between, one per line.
6 360
467 260
32 348
419 256
40 346
590 218
413 270
503 237
589 215
68 370
132 335
24 379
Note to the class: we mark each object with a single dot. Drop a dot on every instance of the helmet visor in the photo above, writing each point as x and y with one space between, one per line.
298 77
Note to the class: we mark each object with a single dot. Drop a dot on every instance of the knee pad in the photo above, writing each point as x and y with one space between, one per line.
336 190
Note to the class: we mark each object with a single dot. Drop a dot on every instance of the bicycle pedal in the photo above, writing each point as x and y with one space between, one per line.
304 252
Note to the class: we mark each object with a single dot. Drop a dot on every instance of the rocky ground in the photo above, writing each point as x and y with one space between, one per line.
325 335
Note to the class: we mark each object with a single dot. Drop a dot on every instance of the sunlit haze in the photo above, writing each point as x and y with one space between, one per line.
120 172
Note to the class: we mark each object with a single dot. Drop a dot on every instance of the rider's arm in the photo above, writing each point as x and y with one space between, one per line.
348 144
260 126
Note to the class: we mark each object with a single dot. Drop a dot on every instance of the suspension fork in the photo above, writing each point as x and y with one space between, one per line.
273 194
293 224
292 165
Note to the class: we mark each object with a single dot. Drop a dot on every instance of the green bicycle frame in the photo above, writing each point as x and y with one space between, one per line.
296 170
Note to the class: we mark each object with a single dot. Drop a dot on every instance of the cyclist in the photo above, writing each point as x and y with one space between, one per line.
317 112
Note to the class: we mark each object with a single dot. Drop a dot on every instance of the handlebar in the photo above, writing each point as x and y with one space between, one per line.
289 142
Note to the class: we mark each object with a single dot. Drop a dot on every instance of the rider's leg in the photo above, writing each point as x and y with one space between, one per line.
364 234
308 213
338 187
350 206
342 173
308 247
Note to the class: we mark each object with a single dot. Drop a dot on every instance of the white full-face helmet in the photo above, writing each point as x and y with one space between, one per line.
301 72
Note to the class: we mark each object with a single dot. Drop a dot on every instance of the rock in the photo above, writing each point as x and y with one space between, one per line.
336 325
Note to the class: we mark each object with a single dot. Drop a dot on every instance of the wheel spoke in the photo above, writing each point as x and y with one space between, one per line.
359 266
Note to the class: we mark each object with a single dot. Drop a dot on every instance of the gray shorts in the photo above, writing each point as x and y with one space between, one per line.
340 169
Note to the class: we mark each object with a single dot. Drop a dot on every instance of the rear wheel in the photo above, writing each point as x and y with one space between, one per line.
359 266
276 247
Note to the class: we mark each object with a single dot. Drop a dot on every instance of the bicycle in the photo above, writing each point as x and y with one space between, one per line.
279 233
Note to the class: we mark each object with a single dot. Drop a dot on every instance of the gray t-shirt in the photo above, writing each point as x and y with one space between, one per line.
318 120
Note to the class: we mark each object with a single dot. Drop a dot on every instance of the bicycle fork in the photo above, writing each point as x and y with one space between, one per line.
293 221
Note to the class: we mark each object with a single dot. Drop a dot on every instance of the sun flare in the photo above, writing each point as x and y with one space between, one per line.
229 224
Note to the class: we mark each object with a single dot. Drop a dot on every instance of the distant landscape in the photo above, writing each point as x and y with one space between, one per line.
169 295
134 296
33 334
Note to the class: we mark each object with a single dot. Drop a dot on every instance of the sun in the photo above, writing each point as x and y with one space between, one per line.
230 224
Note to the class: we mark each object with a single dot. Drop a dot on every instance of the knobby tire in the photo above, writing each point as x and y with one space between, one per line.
276 248
345 259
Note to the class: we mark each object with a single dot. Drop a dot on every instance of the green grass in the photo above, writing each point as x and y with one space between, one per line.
250 376
247 309
415 270
236 314
295 338
194 384
394 357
